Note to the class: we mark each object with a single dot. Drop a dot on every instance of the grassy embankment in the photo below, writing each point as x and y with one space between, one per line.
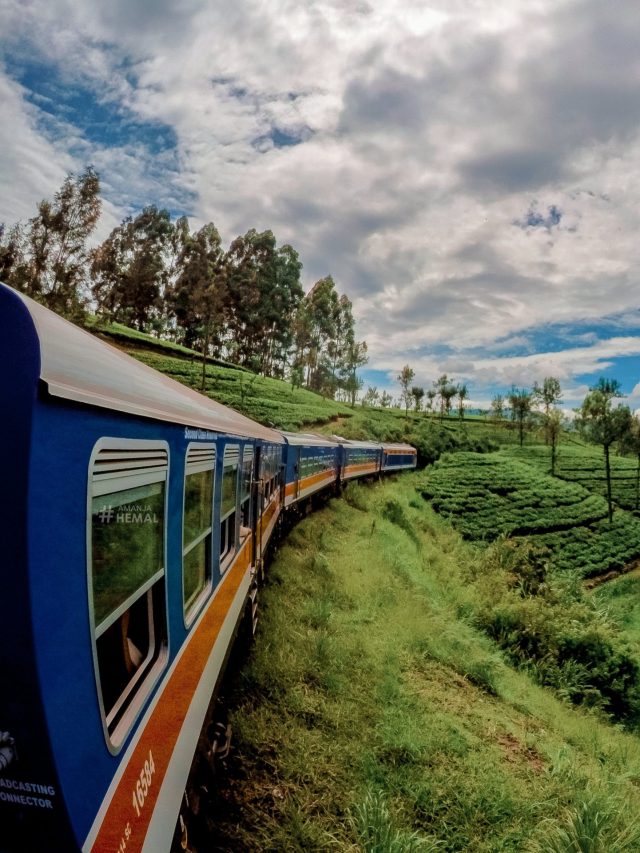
376 714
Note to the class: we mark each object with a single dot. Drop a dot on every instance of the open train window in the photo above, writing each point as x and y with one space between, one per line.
197 526
228 504
245 489
126 543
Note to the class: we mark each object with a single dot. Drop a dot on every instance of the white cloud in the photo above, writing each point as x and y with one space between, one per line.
427 134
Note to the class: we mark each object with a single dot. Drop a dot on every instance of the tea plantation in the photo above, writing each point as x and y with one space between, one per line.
585 465
488 495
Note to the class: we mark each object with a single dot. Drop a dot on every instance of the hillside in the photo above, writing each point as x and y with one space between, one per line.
380 711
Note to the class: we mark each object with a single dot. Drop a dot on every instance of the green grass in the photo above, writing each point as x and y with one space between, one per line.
269 401
375 714
127 337
620 598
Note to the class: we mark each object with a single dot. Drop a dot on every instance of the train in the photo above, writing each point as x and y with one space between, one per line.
135 517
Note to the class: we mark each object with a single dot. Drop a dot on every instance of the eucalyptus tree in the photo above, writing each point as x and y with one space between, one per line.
417 392
372 396
405 378
440 387
354 357
431 396
129 269
462 393
199 295
554 424
497 408
547 395
520 403
600 422
449 391
264 292
47 258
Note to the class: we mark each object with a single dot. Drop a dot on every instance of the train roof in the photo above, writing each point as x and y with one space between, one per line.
78 366
350 442
398 445
309 439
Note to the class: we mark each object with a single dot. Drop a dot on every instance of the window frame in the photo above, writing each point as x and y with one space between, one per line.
248 456
142 684
189 613
226 558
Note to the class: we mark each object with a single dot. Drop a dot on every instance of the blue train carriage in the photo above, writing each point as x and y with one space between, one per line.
398 456
359 458
129 538
312 464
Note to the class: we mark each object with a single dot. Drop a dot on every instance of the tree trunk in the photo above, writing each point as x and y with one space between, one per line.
553 456
205 350
607 466
638 483
521 430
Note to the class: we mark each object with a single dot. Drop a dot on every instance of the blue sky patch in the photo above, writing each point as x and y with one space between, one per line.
100 121
534 219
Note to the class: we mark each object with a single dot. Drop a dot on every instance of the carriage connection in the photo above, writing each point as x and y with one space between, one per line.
135 517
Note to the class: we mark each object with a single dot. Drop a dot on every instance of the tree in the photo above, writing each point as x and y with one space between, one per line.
405 378
497 408
520 403
198 296
431 396
602 424
264 293
446 390
440 389
355 356
385 400
449 392
315 328
129 269
553 426
547 395
463 393
47 258
418 394
371 397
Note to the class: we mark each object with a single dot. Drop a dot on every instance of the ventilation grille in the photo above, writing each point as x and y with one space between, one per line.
247 454
119 460
231 456
201 456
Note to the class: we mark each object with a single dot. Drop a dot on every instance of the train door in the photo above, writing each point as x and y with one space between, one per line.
298 471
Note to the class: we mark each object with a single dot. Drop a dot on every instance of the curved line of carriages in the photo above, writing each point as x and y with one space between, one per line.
183 499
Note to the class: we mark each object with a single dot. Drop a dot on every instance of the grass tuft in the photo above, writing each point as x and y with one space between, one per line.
377 833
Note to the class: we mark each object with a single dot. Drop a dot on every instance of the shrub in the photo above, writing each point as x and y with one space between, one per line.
552 630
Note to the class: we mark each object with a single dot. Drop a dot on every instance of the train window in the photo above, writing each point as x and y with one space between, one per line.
228 503
197 526
245 488
127 576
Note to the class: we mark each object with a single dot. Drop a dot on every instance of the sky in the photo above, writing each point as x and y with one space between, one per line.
468 171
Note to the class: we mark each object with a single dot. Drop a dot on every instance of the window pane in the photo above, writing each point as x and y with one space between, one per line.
127 544
195 570
229 491
122 650
247 466
198 503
